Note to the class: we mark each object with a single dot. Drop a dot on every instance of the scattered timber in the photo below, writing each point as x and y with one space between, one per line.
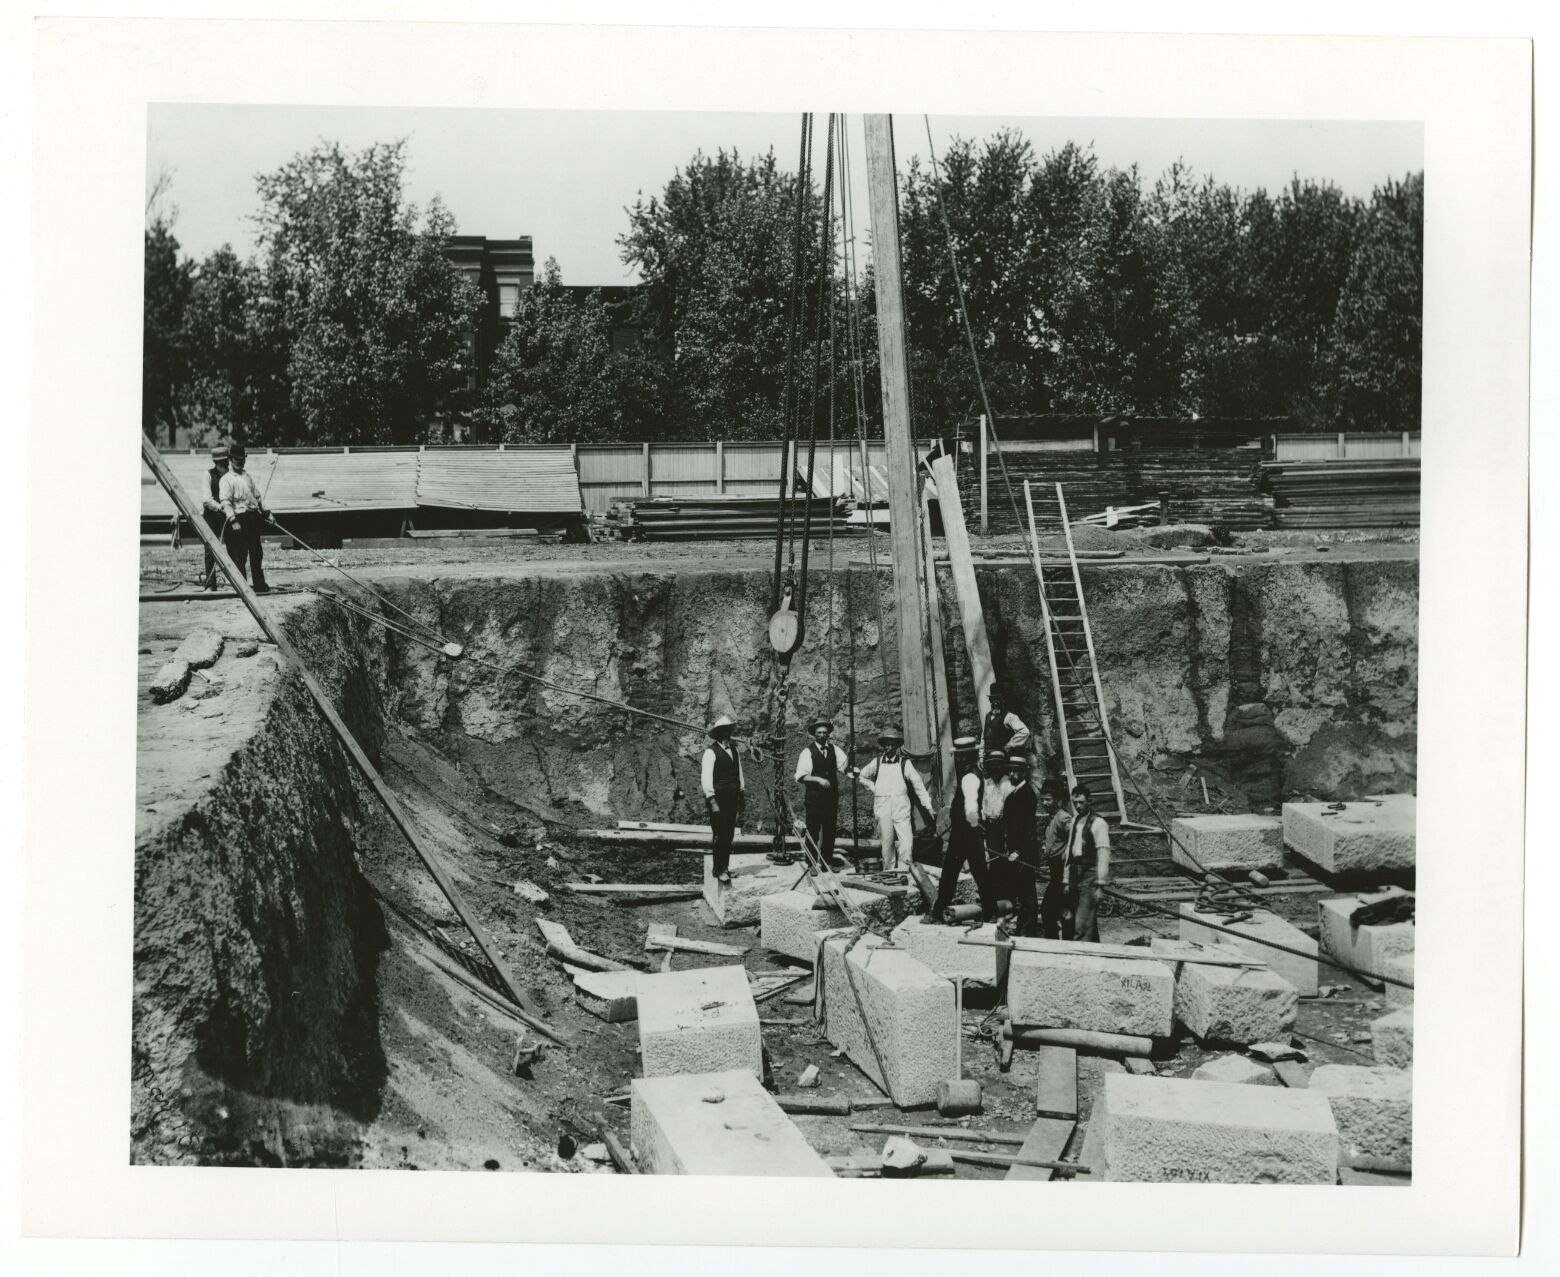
1056 1091
940 1133
813 1105
678 945
870 1166
1042 1148
1083 948
1008 1159
621 1157
673 890
1085 1040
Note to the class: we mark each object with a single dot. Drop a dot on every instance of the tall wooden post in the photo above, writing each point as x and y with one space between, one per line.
985 443
899 442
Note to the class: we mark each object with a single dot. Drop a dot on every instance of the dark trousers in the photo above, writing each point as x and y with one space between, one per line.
723 828
1053 906
1080 897
822 810
214 522
244 548
965 847
1022 887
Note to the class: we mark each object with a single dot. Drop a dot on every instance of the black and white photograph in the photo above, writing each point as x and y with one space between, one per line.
868 641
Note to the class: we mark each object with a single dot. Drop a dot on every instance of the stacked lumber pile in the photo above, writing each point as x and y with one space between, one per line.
1344 494
1202 485
712 518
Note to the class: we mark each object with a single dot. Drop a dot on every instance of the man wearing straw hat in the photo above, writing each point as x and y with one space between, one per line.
720 775
895 785
966 840
818 770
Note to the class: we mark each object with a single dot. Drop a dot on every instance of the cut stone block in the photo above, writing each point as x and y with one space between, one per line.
674 1130
699 1021
909 1008
1239 1070
1227 842
789 924
1373 1109
200 650
1167 1130
1366 948
1231 1004
1365 837
1080 991
938 948
1401 967
612 995
1392 1036
1299 970
169 682
752 878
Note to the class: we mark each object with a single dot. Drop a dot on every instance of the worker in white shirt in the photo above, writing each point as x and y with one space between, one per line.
819 770
1002 729
720 776
896 788
246 517
1087 866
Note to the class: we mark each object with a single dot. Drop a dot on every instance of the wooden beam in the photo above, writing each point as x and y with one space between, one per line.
898 434
1084 948
944 775
966 1133
370 773
634 888
971 616
1056 1093
1080 1040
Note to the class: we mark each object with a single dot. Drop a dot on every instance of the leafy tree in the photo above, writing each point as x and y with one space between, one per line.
377 321
238 351
165 370
557 378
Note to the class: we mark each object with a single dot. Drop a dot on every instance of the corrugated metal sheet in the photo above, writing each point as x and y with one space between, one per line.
539 480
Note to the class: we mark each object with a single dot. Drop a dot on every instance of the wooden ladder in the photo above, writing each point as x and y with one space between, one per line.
1082 724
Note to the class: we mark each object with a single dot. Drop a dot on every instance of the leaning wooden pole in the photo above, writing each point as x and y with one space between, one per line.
899 441
943 776
392 805
965 589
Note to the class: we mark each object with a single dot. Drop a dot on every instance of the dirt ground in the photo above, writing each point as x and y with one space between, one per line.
451 1099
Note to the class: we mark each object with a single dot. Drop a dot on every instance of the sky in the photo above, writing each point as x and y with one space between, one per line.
565 177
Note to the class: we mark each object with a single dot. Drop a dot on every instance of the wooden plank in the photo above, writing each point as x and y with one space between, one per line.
898 441
813 1105
934 648
870 1166
1122 1044
360 760
677 840
680 945
1056 1093
1046 1142
875 888
634 888
969 1134
1017 1161
1141 953
971 617
1292 1074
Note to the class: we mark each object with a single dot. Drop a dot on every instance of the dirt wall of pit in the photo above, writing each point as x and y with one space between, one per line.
1281 679
256 938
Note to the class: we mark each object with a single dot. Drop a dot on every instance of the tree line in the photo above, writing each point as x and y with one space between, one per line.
1087 290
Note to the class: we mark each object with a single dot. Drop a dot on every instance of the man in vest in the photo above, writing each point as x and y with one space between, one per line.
819 770
1087 865
1021 839
992 799
245 516
895 786
966 841
1002 730
1058 823
211 508
720 775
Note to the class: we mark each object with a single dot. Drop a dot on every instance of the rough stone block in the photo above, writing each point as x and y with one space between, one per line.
676 1130
788 923
1232 1004
1366 948
752 878
939 948
1365 837
699 1021
1299 970
169 682
1166 1130
909 1009
1227 842
1392 1035
1373 1109
1081 991
200 650
1240 1070
1400 966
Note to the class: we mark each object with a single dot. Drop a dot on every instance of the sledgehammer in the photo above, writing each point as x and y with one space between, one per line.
958 1098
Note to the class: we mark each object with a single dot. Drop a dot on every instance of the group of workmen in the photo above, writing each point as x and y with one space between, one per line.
1000 825
234 509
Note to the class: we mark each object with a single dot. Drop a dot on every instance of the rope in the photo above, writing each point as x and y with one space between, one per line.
825 277
793 319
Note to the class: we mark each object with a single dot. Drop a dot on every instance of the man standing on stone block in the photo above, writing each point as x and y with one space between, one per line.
1002 730
1021 839
895 786
966 842
1086 868
819 770
720 775
1053 846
